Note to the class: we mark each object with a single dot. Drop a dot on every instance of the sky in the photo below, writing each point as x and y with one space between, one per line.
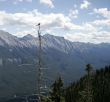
75 20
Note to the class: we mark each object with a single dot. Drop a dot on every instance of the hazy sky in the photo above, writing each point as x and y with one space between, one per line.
76 20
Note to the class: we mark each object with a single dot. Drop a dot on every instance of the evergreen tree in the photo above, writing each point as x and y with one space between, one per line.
56 90
91 87
86 95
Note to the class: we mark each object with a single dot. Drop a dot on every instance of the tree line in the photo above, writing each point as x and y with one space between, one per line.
92 87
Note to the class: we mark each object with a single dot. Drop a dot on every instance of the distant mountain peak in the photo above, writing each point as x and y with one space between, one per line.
28 37
48 35
52 36
4 33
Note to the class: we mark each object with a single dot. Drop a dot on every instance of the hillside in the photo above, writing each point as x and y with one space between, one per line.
100 87
60 56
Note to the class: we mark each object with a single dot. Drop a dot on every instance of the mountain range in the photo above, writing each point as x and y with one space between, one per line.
61 57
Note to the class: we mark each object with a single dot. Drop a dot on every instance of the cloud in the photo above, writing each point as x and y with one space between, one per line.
85 4
103 22
102 11
25 22
105 13
47 2
94 37
73 13
89 27
91 32
31 18
25 32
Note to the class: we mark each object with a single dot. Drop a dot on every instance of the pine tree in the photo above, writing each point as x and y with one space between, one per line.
56 90
86 94
91 87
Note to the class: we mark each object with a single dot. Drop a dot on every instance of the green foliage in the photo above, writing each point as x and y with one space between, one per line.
101 85
93 87
86 95
46 99
56 90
